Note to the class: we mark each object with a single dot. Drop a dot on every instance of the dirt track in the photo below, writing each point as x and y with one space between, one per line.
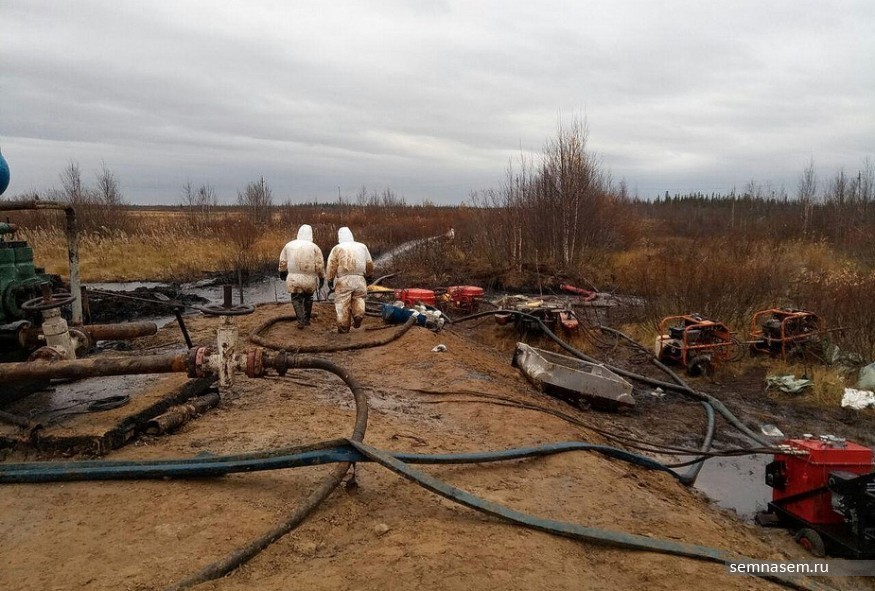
385 533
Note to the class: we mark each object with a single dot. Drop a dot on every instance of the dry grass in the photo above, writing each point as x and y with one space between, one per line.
162 252
726 276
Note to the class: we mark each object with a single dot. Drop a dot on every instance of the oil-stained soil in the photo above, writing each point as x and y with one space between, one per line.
387 533
108 306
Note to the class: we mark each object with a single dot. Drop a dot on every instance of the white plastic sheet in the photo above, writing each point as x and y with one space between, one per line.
858 399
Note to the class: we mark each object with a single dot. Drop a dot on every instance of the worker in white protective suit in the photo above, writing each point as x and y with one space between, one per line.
302 269
348 263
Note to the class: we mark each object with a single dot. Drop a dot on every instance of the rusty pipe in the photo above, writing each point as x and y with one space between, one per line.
72 232
33 336
178 415
88 368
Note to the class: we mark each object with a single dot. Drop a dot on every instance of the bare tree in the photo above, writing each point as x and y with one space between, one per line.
108 192
74 191
199 203
257 202
99 209
807 193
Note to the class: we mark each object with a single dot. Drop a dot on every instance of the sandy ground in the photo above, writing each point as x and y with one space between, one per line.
385 533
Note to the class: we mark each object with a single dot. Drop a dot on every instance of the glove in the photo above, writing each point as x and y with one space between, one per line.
283 275
321 283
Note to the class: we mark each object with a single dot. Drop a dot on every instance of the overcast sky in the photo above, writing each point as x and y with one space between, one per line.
431 99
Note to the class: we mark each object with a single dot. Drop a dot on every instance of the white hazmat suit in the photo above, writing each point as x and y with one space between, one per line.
302 260
348 263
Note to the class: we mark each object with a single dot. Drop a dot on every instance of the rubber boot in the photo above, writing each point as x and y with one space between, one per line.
308 309
300 311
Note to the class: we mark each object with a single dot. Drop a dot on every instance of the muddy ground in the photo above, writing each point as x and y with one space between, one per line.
386 533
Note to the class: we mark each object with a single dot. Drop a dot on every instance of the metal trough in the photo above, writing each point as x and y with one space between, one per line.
572 379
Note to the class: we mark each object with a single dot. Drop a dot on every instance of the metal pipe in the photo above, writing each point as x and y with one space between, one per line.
73 255
33 337
180 414
72 243
88 368
178 313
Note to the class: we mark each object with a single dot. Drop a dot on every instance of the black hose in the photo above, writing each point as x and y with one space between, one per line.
710 424
262 341
243 554
702 396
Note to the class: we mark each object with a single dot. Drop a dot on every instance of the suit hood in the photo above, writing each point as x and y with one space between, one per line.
344 235
305 232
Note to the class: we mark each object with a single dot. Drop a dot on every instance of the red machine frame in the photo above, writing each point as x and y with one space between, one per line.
720 344
763 343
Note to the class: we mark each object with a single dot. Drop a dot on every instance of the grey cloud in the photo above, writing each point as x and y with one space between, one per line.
432 99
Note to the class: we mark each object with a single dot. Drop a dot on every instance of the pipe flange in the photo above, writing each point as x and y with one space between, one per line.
255 363
196 357
47 353
282 363
221 310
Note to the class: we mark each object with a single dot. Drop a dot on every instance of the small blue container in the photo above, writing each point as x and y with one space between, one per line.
4 174
395 315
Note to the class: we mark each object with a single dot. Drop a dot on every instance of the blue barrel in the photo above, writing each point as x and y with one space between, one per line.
397 315
4 174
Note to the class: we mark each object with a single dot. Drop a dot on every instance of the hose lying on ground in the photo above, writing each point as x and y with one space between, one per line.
710 423
256 337
346 451
306 455
243 554
714 402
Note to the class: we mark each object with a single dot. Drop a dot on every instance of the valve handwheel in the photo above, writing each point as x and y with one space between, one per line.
221 310
227 308
47 302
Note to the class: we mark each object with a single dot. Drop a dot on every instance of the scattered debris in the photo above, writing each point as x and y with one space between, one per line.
439 348
381 529
867 378
788 383
658 393
858 399
771 431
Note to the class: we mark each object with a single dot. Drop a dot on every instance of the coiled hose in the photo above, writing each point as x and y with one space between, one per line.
256 337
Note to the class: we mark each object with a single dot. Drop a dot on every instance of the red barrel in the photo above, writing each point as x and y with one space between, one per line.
413 295
463 296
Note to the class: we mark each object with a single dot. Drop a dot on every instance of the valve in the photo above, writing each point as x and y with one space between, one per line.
224 360
227 308
48 300
60 344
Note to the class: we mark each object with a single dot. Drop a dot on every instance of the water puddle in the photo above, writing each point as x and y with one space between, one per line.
737 483
62 399
268 289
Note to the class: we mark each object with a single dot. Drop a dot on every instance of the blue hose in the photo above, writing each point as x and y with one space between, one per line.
312 455
346 451
565 529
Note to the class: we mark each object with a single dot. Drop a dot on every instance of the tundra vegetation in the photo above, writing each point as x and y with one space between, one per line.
558 217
